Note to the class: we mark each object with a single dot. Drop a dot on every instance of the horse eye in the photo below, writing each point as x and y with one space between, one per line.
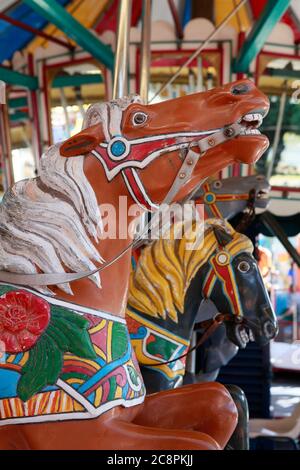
240 89
217 184
244 267
139 118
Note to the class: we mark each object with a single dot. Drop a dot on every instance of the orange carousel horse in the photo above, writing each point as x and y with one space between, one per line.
68 375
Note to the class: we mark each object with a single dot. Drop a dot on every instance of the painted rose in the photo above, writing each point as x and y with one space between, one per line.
23 318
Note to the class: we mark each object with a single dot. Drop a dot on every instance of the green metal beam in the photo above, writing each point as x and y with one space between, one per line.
60 17
14 103
61 81
282 73
18 116
16 78
271 14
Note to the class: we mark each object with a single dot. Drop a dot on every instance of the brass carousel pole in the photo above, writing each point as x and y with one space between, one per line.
145 74
145 51
7 166
120 87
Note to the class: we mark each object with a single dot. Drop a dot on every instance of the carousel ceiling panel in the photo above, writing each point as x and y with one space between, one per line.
87 12
242 21
13 38
5 4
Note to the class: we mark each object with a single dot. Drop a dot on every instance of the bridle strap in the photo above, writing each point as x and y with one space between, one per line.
211 326
138 191
185 172
249 214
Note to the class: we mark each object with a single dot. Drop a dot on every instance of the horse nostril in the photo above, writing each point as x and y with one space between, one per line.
240 89
269 329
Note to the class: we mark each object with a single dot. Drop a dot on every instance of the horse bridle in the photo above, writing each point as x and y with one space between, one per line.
135 187
211 199
220 268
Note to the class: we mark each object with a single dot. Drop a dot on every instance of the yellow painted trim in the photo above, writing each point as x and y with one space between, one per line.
99 327
153 327
147 361
86 12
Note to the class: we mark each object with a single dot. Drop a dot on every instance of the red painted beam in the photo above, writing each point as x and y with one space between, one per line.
37 32
109 19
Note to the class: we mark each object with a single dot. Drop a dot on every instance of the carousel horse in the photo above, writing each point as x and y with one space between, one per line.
69 378
225 199
169 285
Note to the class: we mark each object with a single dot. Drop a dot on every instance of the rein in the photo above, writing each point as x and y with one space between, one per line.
212 326
249 215
210 198
190 161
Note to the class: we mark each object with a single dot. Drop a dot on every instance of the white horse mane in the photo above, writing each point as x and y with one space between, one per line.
47 223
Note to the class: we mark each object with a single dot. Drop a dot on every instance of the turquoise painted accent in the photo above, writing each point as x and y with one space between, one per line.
260 32
18 116
17 103
16 78
107 369
8 383
56 14
209 198
118 148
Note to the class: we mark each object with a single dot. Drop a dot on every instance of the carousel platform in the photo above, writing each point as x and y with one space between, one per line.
285 356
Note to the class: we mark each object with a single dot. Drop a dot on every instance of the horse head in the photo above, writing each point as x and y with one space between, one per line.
227 197
199 134
236 287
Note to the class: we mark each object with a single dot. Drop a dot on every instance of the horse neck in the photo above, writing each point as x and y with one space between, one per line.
193 299
112 296
225 210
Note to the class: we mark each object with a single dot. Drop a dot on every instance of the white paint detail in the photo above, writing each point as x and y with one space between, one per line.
45 222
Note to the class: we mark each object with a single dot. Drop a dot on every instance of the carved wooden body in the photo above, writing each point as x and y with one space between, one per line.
193 417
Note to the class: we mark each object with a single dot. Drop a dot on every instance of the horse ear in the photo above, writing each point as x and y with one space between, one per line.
83 142
222 237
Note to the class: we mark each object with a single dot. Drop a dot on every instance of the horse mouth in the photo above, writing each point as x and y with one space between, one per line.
240 334
251 122
244 336
262 198
262 194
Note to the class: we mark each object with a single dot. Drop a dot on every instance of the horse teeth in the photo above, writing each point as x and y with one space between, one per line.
251 336
244 336
249 117
247 131
253 117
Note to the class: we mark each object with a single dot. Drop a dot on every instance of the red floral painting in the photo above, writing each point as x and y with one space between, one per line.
23 319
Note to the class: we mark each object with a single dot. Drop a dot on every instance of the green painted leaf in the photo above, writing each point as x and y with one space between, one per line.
119 341
68 315
78 339
67 332
133 375
42 368
4 289
58 336
112 388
